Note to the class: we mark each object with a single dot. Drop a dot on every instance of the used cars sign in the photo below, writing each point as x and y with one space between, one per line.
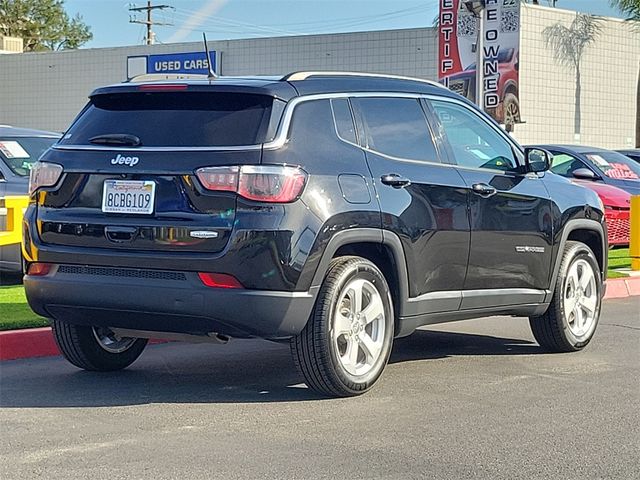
185 63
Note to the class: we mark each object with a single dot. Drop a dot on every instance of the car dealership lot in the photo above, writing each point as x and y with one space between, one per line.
475 399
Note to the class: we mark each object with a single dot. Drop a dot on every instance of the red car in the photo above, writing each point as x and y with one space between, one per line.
617 208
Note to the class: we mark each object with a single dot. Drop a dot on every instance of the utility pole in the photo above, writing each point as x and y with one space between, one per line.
151 36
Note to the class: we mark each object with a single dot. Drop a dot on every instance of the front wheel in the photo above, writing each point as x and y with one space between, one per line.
96 348
571 320
346 343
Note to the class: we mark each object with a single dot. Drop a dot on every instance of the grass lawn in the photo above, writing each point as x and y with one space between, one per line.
618 258
14 311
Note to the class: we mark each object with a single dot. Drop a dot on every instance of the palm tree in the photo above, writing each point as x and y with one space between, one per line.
631 9
569 44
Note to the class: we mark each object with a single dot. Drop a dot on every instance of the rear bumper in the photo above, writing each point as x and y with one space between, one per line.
147 300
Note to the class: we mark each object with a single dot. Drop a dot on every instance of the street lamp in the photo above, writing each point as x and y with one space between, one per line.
477 8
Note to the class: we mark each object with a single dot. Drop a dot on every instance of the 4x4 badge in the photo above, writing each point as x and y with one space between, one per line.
120 160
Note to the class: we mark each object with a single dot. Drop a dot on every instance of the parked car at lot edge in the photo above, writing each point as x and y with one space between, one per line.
633 154
19 150
333 211
596 165
617 210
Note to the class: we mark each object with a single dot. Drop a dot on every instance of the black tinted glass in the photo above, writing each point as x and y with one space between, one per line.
165 119
397 127
343 120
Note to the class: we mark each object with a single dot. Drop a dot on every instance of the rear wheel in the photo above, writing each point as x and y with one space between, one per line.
96 348
571 320
346 343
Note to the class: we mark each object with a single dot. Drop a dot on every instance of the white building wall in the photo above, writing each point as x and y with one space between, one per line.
610 70
46 90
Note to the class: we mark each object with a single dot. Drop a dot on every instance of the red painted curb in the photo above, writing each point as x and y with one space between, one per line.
622 287
32 343
28 343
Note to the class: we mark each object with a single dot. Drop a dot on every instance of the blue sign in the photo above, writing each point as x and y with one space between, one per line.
192 62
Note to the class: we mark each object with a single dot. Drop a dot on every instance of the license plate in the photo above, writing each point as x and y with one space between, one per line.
128 196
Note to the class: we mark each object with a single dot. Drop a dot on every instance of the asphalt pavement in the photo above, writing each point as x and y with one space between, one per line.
474 399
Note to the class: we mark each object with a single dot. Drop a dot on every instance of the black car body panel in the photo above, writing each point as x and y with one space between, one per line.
447 252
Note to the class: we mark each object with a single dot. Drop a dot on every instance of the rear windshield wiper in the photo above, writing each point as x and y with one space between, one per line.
116 139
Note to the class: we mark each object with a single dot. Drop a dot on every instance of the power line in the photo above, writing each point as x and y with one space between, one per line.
336 24
150 40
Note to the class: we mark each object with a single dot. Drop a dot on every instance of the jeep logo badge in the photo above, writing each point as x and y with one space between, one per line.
120 160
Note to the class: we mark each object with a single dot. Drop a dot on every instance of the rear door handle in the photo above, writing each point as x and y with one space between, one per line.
394 180
483 189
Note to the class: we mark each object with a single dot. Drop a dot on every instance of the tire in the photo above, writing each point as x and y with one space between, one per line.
341 352
81 346
511 109
562 328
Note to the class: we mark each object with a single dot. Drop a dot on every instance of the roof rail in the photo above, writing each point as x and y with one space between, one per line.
160 77
304 75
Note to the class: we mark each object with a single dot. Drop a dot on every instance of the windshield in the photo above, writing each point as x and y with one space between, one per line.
615 165
20 153
168 119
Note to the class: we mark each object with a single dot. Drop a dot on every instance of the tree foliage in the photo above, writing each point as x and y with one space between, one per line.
42 24
629 8
569 43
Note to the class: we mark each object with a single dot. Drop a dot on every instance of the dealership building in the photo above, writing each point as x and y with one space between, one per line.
46 90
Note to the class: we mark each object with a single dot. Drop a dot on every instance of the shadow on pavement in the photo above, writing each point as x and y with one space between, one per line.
249 371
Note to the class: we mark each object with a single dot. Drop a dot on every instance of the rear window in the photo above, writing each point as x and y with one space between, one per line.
167 119
20 153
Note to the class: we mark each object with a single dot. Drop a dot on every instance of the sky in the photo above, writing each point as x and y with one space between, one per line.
231 19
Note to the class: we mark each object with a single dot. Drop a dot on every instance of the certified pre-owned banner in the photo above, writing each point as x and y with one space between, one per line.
501 37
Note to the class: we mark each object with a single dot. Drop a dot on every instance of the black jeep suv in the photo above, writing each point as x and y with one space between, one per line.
334 211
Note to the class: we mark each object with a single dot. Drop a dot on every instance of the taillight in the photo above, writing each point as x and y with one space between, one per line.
39 269
219 280
44 174
262 183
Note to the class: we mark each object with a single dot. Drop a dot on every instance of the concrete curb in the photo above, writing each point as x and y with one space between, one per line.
39 342
623 287
32 343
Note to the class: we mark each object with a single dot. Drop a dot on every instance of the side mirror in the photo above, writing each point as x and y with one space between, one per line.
584 174
537 159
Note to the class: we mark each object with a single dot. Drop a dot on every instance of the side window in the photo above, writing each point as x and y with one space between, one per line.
396 127
564 164
343 119
474 142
